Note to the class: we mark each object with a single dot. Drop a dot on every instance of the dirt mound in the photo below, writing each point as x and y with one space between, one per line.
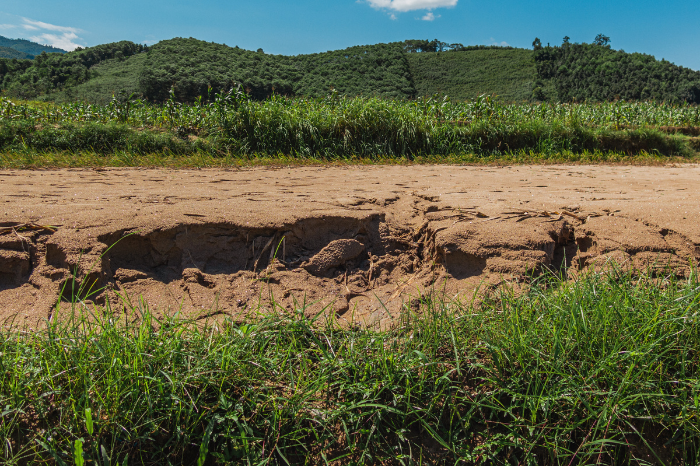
358 243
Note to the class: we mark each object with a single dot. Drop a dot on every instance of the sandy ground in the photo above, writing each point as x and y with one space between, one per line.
358 243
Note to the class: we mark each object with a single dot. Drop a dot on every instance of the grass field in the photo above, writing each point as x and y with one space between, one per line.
338 128
604 370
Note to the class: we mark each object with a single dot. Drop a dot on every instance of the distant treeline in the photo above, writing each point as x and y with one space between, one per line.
435 45
194 69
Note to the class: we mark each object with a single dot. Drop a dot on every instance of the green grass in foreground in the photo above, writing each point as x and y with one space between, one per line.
604 370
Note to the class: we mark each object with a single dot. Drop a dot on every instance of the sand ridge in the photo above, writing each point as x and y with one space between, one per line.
357 241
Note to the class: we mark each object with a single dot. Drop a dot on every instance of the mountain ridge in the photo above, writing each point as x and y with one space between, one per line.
404 70
24 49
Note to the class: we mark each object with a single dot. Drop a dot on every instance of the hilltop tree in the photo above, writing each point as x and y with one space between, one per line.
537 44
601 39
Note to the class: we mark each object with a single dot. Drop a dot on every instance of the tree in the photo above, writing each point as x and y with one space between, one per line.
537 44
601 39
566 39
440 46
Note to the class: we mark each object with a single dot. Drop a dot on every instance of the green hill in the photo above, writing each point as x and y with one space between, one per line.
27 48
107 78
49 73
404 70
192 66
6 52
596 72
381 69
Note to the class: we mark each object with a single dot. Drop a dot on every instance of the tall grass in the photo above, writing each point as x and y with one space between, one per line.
428 110
604 370
342 127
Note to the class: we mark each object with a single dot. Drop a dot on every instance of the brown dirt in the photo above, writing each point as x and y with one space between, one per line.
360 241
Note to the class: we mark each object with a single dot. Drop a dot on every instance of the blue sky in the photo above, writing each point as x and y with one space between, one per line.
664 29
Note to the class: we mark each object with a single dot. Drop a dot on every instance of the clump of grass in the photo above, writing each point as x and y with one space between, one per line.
604 370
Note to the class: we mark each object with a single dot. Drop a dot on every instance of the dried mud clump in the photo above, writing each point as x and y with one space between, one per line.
337 253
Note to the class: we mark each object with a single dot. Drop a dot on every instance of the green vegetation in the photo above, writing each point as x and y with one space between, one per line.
108 78
199 69
595 72
376 70
337 127
508 73
604 370
194 66
49 73
6 52
402 70
27 48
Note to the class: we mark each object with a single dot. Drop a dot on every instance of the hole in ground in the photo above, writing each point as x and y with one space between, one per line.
564 255
14 266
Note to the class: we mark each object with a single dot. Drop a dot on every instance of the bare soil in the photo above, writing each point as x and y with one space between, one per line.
355 242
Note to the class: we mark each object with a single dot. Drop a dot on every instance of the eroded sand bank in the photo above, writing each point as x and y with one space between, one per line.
360 241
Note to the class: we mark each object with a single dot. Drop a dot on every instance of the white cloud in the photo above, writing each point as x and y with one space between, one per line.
501 44
410 5
65 41
429 16
392 17
63 37
38 25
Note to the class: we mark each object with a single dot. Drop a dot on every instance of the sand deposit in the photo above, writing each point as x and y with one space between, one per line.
355 242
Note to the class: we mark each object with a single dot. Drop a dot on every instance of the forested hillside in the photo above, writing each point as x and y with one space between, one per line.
48 73
193 66
6 52
596 72
380 69
24 49
402 70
